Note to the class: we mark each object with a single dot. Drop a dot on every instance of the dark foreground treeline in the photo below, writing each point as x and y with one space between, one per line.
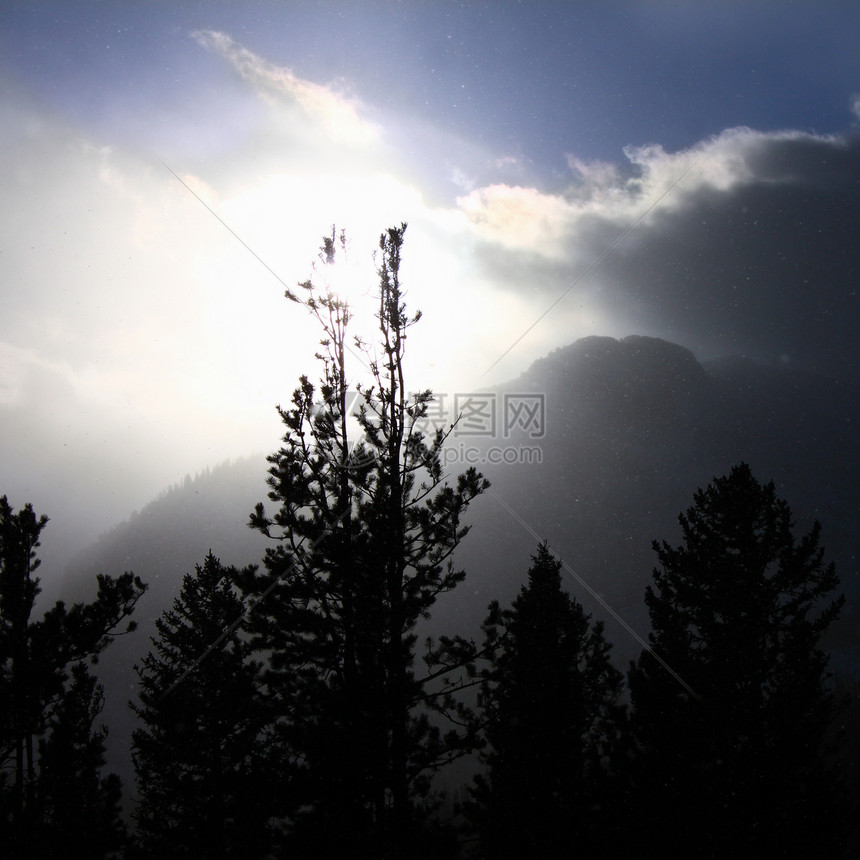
728 742
290 710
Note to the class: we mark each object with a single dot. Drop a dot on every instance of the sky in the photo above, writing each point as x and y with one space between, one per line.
686 170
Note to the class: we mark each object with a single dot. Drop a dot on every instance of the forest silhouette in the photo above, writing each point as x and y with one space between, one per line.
293 708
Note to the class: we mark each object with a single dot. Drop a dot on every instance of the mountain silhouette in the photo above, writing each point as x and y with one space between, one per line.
631 428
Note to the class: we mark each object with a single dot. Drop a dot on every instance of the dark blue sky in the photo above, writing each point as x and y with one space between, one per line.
536 78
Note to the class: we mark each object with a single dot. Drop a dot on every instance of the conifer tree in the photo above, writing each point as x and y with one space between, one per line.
732 758
48 700
550 706
200 756
78 809
364 534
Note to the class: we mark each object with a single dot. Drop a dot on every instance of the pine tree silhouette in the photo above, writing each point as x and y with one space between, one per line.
201 758
552 722
51 756
738 610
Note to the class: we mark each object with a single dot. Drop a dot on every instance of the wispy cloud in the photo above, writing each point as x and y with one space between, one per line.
338 115
551 224
518 218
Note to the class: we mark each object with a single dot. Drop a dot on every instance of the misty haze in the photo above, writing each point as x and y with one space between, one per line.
446 419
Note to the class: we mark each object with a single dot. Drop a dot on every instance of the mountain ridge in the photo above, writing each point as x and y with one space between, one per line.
633 427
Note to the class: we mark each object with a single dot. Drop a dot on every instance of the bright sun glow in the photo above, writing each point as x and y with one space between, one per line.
439 275
353 283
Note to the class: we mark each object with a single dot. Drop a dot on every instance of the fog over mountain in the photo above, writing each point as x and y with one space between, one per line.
566 170
634 224
632 428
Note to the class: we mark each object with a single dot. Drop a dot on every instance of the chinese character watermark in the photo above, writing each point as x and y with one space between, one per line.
526 412
475 414
478 415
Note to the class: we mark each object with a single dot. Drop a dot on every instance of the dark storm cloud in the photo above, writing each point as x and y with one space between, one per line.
768 267
754 250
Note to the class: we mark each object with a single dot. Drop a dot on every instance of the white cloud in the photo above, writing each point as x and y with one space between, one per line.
519 218
338 115
461 179
592 176
507 162
16 365
550 224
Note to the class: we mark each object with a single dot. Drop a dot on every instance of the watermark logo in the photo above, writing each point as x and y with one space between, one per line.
495 455
487 416
476 414
516 417
525 412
